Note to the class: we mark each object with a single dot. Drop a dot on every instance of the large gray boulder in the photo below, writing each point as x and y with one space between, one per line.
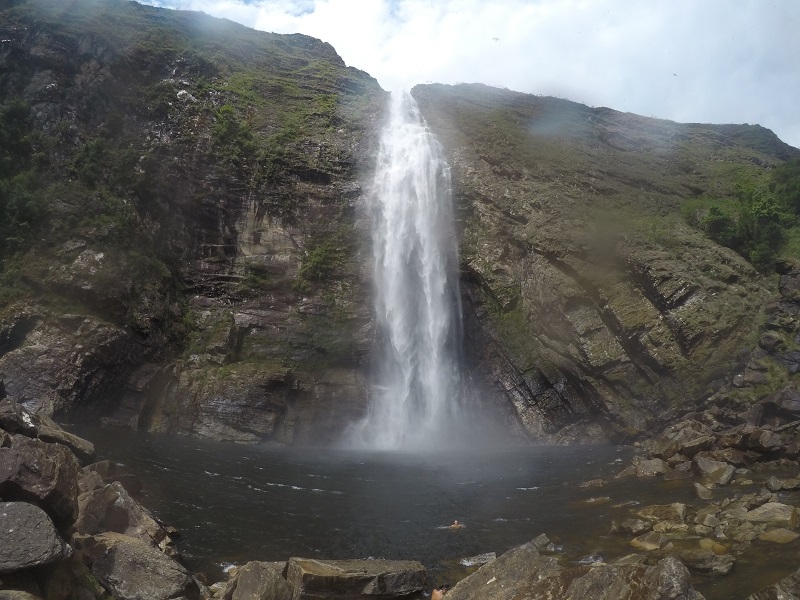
111 508
28 538
45 474
15 419
774 514
525 573
353 579
714 472
131 569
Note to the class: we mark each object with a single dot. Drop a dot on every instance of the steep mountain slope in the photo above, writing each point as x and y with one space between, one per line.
183 244
180 204
587 296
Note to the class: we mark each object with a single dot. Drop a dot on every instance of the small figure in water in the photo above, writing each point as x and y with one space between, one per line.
438 593
456 525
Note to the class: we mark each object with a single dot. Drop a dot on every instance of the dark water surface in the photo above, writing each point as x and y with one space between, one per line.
234 503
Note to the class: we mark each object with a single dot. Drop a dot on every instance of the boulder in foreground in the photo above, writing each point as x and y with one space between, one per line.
28 538
258 581
525 573
353 579
131 569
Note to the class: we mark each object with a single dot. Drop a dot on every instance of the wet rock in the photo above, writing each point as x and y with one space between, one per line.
715 547
763 440
675 512
626 472
29 538
687 437
479 560
130 569
677 474
501 578
523 573
650 467
707 519
712 471
633 526
543 544
258 581
733 456
775 485
779 536
88 481
744 532
649 541
677 459
775 514
706 561
631 559
702 492
592 483
110 508
671 527
692 447
312 579
46 474
751 501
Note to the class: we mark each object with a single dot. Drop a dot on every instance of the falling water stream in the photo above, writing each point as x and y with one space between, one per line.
417 304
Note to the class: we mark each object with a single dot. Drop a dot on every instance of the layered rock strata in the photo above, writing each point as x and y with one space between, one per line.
200 269
587 298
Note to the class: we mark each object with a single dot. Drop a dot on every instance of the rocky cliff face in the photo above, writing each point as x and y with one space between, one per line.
182 245
196 260
588 300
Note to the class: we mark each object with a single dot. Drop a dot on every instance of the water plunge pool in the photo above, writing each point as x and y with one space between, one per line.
234 503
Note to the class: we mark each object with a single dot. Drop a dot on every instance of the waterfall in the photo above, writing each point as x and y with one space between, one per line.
414 403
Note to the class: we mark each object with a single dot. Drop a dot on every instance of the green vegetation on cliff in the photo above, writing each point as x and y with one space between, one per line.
163 172
760 222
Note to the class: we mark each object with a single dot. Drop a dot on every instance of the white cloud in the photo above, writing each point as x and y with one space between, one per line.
712 61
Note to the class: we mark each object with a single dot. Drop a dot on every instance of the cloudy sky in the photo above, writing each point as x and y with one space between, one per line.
715 61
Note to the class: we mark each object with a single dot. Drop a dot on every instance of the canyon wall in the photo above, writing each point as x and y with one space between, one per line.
185 243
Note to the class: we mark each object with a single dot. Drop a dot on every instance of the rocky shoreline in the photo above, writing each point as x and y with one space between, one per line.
72 528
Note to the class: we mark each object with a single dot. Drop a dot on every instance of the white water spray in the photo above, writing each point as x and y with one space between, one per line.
417 301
